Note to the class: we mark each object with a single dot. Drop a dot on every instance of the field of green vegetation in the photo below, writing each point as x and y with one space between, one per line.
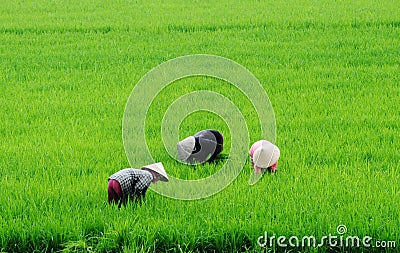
332 73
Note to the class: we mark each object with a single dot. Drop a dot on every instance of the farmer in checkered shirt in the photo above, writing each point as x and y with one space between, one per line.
133 183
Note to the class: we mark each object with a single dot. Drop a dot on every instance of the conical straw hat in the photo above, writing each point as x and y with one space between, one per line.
159 169
266 155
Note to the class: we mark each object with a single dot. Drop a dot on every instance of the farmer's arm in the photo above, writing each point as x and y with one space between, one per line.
143 181
140 195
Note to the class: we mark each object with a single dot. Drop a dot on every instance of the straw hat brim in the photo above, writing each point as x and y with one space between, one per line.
185 148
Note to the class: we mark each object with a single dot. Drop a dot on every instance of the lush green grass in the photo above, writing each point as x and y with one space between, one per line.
330 68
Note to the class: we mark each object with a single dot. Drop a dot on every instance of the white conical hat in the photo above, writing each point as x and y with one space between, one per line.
159 169
266 155
185 148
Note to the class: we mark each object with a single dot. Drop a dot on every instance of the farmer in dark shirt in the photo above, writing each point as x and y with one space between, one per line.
133 183
203 146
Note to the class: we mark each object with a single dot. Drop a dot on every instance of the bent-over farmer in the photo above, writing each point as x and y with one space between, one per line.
203 146
264 156
132 183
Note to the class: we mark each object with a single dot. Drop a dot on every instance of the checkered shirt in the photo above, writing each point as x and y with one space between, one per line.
133 182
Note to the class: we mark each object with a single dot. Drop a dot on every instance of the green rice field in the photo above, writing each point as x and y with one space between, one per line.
331 70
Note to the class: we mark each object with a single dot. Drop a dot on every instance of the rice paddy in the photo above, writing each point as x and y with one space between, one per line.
331 72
